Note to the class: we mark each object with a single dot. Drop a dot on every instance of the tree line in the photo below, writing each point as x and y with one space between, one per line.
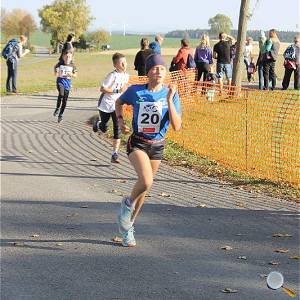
59 18
284 36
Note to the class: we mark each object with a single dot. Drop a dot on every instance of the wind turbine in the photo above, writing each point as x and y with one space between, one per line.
110 28
124 29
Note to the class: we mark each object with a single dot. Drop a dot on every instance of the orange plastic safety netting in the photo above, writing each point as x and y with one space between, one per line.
257 132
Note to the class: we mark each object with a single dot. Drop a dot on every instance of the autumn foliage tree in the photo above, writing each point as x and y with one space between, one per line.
99 37
65 16
17 22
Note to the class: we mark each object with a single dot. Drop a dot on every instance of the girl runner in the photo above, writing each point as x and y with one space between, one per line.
155 106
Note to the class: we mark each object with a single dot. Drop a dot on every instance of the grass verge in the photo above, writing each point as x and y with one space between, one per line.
196 165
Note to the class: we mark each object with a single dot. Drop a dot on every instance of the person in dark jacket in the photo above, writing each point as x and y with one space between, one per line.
68 46
141 56
292 64
259 63
269 60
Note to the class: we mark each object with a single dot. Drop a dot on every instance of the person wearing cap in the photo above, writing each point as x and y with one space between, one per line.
155 107
156 45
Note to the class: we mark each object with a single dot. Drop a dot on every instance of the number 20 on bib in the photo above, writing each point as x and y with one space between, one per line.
149 118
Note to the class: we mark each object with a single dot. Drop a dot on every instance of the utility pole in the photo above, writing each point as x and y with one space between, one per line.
238 64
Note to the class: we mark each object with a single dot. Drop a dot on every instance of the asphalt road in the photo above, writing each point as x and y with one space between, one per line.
60 195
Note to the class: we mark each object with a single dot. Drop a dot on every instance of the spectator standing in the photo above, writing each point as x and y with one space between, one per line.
203 57
270 53
182 56
14 51
141 56
68 46
259 63
291 64
221 53
156 45
248 57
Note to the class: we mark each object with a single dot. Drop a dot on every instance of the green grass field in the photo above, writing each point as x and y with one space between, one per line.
40 38
36 74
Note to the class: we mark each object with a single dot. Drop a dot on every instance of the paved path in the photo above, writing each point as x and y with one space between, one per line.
60 195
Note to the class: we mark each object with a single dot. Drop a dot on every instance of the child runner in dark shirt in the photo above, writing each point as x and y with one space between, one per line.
64 71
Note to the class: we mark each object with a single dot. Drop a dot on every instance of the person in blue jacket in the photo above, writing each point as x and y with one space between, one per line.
155 107
156 45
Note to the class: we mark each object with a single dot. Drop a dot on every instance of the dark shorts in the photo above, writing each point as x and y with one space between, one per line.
154 149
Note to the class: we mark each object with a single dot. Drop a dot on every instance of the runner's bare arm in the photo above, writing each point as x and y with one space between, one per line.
175 118
119 114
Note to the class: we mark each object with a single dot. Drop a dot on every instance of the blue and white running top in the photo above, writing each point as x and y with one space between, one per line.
150 110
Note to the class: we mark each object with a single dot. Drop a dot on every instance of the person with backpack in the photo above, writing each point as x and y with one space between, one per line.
184 58
203 57
291 64
12 52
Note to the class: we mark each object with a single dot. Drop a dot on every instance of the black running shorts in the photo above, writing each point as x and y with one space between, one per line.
154 149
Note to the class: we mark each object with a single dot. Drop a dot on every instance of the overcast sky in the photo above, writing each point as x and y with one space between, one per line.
166 15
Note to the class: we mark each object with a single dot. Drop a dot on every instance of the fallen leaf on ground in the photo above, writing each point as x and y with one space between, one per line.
240 204
72 215
201 205
114 191
35 235
242 257
228 290
274 263
282 250
226 247
19 244
117 239
291 293
121 180
295 257
281 235
163 194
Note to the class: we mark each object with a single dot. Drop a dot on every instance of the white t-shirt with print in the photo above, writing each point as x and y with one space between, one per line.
114 80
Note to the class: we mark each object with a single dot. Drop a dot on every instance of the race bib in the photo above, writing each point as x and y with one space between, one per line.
149 118
65 71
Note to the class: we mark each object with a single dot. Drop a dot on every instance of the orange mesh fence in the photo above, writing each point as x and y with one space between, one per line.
256 132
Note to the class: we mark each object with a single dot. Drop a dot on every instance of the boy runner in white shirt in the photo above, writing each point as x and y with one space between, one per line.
112 87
